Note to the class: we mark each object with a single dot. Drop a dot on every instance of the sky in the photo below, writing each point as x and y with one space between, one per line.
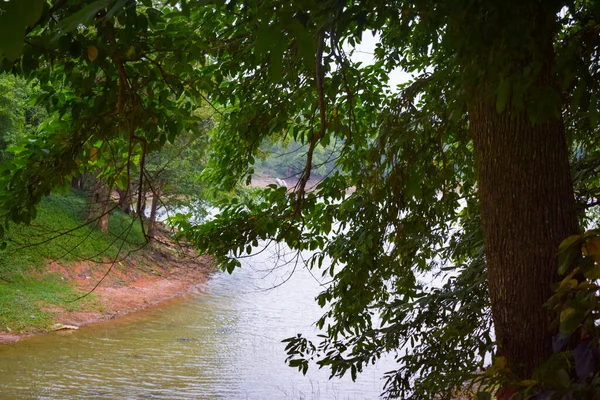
364 52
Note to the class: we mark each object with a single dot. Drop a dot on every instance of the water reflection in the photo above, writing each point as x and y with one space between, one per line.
223 342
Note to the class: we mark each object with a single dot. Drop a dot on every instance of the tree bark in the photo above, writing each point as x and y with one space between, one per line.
124 202
153 209
98 204
104 200
527 208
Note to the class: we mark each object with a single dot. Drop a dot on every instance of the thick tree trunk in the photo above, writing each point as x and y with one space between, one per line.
527 209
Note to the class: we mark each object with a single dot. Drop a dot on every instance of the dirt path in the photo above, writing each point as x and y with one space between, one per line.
155 274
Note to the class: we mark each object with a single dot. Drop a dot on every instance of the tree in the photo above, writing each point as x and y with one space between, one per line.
174 175
119 99
492 86
465 170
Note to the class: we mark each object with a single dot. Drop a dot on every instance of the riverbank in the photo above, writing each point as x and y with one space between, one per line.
157 273
45 285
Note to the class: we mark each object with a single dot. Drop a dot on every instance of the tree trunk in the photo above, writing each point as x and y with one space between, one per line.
85 179
153 209
124 202
98 204
527 209
104 200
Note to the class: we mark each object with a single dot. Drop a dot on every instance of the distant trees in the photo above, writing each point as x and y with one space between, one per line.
174 174
287 160
19 115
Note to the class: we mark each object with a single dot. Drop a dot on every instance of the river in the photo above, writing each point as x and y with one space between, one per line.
221 342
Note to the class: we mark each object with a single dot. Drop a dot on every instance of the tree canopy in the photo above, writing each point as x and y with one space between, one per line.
475 170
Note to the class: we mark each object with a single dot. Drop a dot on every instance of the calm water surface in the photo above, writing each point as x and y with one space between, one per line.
223 342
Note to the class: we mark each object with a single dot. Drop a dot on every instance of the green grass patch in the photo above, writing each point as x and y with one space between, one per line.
24 302
56 234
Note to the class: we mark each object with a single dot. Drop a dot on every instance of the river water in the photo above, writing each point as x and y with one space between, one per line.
222 342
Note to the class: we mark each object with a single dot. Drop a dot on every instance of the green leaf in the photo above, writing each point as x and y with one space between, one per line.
13 17
569 251
568 242
562 379
503 95
578 94
570 320
35 7
275 66
263 41
306 43
82 17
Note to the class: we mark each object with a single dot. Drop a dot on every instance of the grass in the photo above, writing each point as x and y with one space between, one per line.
24 302
26 290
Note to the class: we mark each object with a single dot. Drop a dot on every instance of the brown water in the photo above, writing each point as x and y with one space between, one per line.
223 342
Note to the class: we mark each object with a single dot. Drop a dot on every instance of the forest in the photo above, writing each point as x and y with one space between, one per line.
454 217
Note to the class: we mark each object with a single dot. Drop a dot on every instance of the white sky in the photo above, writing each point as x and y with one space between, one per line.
364 52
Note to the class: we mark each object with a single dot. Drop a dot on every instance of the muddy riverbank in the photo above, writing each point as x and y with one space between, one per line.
154 274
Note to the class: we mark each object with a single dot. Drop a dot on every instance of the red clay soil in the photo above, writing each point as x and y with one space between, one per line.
157 273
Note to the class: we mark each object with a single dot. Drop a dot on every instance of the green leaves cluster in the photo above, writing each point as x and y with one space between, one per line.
118 80
15 17
573 371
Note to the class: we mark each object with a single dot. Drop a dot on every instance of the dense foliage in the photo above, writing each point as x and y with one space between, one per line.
18 117
109 92
405 201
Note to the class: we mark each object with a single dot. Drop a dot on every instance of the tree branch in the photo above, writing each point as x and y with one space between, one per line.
320 76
